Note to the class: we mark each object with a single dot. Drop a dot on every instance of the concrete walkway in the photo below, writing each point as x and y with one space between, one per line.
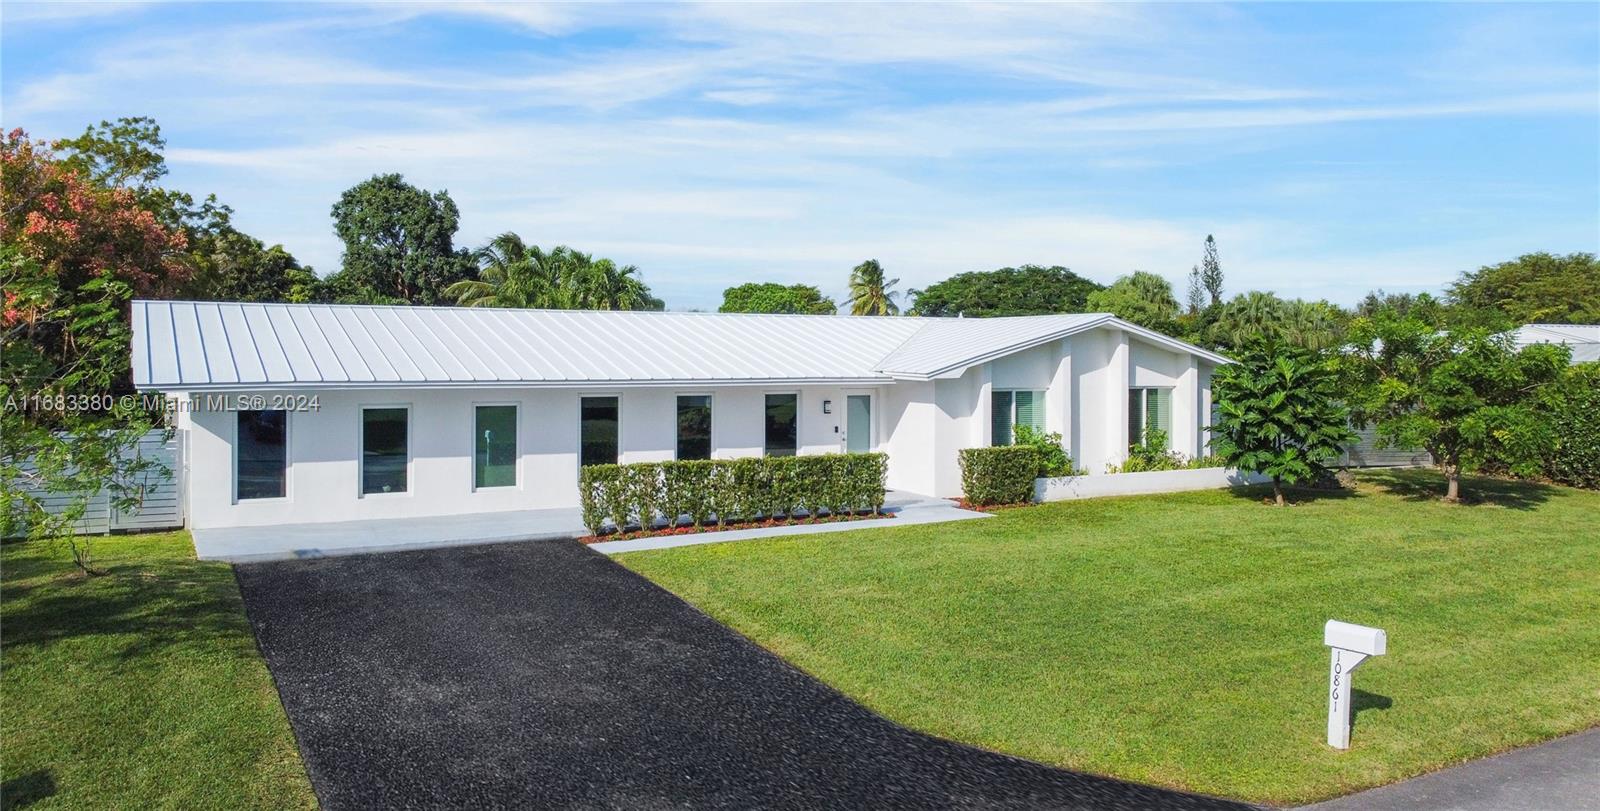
1564 773
905 508
290 541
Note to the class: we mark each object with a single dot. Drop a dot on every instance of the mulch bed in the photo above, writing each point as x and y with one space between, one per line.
693 530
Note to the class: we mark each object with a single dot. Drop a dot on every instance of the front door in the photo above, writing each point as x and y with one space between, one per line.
858 423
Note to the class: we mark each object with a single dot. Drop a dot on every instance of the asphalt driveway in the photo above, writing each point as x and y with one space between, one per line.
542 674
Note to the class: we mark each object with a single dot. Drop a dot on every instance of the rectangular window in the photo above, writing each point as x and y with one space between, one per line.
494 441
598 424
384 449
694 426
782 413
1009 409
263 455
1149 409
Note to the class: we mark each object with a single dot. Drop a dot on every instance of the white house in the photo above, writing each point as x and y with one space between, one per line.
1582 339
303 413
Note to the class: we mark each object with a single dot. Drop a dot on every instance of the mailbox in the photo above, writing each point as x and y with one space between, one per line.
1352 644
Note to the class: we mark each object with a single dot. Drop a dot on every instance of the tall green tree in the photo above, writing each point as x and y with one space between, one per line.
1141 297
1196 300
512 273
398 240
1464 394
1533 288
1261 315
1279 413
870 292
771 297
1211 271
1025 290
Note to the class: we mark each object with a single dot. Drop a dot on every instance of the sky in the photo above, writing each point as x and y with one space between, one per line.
1331 149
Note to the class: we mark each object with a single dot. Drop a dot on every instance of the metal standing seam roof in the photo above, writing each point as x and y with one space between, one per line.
188 345
1582 339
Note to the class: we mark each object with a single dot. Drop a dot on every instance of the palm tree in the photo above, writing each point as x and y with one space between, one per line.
510 274
869 293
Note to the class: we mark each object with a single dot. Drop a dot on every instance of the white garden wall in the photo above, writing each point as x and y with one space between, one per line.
1067 488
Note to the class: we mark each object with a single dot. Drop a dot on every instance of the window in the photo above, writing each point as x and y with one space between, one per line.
1012 408
262 454
494 446
1149 409
598 421
384 449
782 411
694 426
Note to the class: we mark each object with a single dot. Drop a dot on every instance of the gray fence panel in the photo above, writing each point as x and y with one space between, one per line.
162 504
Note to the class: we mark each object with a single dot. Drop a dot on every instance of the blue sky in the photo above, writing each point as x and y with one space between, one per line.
1331 149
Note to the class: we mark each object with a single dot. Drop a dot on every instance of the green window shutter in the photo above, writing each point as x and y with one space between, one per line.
1030 409
1135 416
1000 418
1158 411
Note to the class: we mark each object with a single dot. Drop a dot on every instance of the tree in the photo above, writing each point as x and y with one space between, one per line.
1279 413
1197 292
229 265
1211 272
1026 290
512 273
1261 315
1534 288
870 294
397 240
1143 298
1463 394
771 297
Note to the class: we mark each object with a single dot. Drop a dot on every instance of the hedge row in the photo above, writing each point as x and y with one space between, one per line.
1000 475
1574 412
730 490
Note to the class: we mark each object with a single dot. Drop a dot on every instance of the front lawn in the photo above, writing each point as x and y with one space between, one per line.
1177 639
139 689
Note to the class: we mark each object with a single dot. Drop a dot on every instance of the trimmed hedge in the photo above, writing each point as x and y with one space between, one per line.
1575 415
730 490
1000 475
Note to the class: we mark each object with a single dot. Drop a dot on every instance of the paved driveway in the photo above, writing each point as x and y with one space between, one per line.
542 674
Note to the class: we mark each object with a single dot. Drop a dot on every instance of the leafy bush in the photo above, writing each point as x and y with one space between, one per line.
730 490
1574 409
1209 460
1053 458
1151 454
1001 475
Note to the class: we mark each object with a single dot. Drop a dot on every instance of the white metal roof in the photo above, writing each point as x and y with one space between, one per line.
1583 339
191 346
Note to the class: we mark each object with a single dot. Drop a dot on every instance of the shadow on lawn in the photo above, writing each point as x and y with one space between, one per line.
1262 494
25 790
1423 484
1362 700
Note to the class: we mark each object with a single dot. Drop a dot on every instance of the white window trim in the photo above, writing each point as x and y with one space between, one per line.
1043 398
472 447
361 452
1144 407
799 403
617 395
712 397
288 459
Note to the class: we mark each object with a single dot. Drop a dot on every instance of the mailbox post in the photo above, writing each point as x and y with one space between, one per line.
1352 645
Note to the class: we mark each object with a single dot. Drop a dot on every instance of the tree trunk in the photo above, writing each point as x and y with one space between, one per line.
1277 491
1452 477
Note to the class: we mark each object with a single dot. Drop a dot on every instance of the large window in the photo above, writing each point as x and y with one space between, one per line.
1009 409
263 455
494 451
1149 409
598 421
384 449
782 412
694 426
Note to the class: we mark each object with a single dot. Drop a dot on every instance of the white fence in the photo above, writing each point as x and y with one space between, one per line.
1066 488
1364 452
162 504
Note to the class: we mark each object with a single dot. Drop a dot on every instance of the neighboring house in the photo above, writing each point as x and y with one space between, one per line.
357 412
1583 340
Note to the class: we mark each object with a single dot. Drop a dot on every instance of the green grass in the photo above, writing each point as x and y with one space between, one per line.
1177 639
139 689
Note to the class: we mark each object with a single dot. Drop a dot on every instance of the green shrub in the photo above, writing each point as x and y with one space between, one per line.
1002 475
1574 413
1053 458
1152 454
730 490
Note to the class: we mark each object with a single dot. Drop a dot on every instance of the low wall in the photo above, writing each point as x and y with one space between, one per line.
1066 488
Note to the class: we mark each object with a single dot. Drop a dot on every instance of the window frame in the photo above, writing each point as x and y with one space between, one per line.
615 396
1039 403
361 451
764 395
472 448
288 459
711 427
1144 408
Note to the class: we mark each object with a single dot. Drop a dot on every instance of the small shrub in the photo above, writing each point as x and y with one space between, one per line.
1152 454
1053 458
1209 460
1002 475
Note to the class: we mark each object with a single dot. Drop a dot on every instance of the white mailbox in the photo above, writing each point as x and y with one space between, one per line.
1352 645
